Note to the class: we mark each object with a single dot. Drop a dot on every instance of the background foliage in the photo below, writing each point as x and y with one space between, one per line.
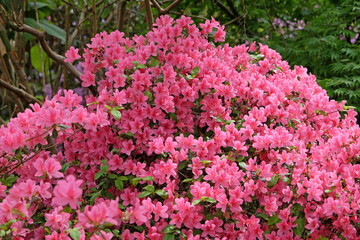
321 35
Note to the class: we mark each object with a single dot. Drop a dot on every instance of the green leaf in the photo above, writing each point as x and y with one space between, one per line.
149 95
35 58
169 229
112 176
149 178
75 234
108 107
104 168
274 180
195 71
65 167
154 62
196 202
141 66
116 114
135 181
7 225
63 127
208 199
182 165
188 180
94 196
169 236
242 165
123 178
162 193
119 184
53 30
10 180
274 220
299 229
150 188
98 175
144 194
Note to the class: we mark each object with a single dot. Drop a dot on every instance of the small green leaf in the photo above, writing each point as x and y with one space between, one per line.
195 71
149 178
169 229
63 127
92 103
75 234
7 225
144 194
154 62
208 199
123 178
65 167
141 66
150 188
104 168
209 216
136 63
112 176
196 202
149 95
188 180
299 229
274 180
35 58
169 236
98 175
242 165
264 216
116 114
162 193
135 181
94 196
119 184
274 220
108 107
182 165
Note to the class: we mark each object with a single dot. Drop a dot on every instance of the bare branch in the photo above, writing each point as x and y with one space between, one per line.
167 9
149 15
41 36
19 92
120 14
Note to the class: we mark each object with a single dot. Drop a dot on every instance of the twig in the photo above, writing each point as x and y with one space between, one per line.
41 36
167 9
19 92
232 8
272 22
149 15
187 15
224 8
235 20
121 15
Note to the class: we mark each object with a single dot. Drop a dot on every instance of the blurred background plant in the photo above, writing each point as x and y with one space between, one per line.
321 35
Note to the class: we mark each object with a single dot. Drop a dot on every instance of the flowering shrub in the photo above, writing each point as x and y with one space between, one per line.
186 140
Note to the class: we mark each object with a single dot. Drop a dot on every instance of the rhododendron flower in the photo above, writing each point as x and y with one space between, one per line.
186 137
49 168
68 192
72 55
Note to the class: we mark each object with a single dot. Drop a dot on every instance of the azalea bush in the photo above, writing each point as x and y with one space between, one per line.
187 139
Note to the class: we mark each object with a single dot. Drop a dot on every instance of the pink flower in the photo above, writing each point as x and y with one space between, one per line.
48 168
68 192
160 211
72 55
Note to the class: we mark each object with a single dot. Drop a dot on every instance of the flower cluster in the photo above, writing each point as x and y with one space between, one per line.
186 140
